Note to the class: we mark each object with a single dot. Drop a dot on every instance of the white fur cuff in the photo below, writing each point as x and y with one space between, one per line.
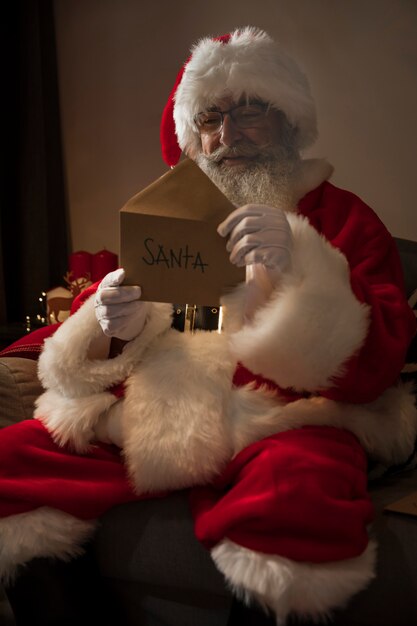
313 322
64 364
71 421
44 532
309 590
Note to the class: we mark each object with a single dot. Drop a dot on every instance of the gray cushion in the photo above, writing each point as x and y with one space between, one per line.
148 553
391 598
19 388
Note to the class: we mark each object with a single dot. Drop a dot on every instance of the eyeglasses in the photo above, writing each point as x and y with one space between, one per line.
243 116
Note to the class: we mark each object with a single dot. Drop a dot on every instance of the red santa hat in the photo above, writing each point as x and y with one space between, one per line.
245 62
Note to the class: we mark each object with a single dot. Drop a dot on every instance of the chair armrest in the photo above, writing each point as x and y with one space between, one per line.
19 388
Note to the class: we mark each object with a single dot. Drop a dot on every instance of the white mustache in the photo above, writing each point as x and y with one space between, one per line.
242 149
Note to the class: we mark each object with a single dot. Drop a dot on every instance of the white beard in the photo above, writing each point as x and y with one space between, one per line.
268 179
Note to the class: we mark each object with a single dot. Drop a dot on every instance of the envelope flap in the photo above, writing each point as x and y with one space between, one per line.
184 192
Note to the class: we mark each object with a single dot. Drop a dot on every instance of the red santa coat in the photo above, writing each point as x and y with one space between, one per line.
333 335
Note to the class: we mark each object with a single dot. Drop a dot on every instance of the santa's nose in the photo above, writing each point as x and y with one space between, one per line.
229 132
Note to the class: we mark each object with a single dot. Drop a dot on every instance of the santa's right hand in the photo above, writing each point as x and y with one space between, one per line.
118 308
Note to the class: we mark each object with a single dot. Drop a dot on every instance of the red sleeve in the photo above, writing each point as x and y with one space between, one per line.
377 280
83 296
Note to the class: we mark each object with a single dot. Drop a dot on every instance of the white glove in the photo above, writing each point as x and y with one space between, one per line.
260 238
258 233
119 310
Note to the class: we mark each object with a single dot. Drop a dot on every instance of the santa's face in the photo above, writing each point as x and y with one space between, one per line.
266 132
250 164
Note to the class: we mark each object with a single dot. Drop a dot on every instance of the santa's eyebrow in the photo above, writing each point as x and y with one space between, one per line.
241 102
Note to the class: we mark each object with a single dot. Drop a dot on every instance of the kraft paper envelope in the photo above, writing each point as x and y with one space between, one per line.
168 239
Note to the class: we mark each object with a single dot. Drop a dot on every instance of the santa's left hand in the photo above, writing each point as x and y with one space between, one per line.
258 233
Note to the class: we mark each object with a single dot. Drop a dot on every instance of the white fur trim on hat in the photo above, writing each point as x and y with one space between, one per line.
250 64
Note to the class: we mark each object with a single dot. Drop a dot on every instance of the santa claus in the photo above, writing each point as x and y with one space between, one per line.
270 422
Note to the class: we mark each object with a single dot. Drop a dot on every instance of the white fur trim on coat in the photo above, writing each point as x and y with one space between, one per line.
284 586
250 64
386 428
312 323
71 421
44 532
76 384
310 175
64 364
177 430
181 420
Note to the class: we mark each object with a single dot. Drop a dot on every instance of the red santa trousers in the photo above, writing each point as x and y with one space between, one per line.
301 494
